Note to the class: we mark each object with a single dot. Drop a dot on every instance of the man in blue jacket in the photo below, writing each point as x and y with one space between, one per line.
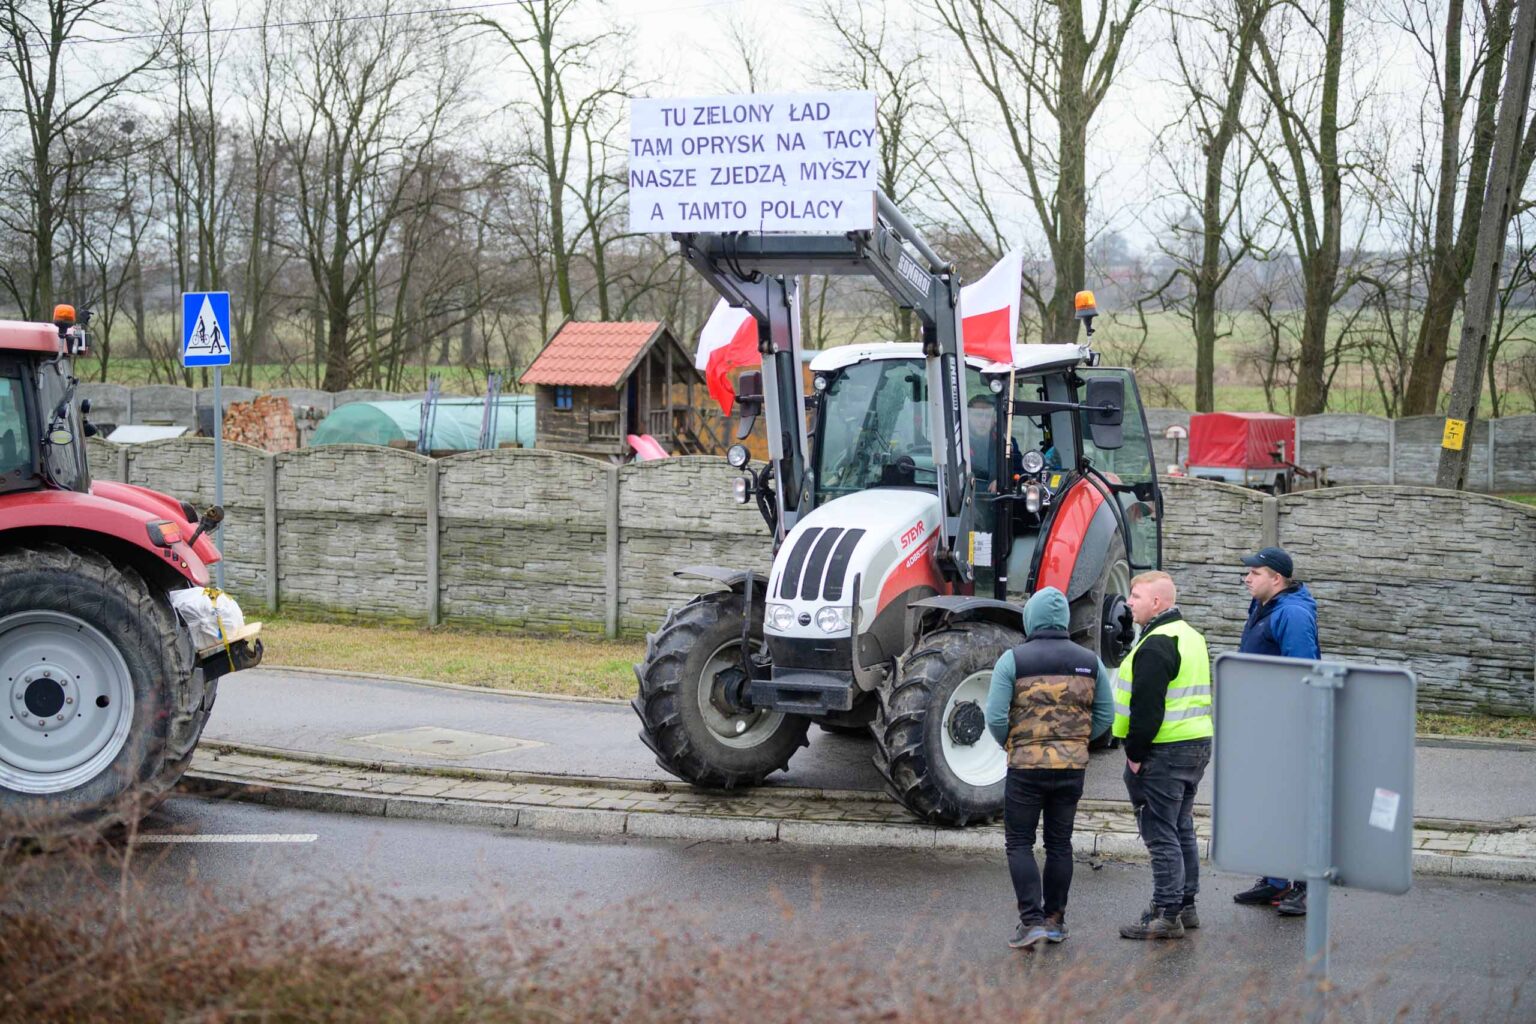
1048 698
1282 621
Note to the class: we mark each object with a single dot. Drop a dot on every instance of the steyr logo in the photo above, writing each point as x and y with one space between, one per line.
911 535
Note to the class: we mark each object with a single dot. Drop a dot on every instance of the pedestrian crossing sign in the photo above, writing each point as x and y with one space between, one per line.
205 339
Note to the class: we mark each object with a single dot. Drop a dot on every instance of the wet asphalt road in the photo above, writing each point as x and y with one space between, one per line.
333 714
1462 944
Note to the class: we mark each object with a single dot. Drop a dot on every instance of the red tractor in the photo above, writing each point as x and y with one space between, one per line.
106 691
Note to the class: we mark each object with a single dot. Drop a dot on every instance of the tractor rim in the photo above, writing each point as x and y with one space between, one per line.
69 699
982 763
729 724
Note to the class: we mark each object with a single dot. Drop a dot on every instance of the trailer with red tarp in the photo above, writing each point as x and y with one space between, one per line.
1252 449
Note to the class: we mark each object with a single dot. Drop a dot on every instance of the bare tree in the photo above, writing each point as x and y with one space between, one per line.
572 78
1036 62
54 101
364 98
1212 45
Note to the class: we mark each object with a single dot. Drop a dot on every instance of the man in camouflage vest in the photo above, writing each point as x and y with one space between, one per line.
1048 697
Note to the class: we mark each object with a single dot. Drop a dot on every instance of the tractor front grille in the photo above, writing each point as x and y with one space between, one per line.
817 564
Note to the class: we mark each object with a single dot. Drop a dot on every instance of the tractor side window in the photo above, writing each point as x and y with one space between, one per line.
1130 470
15 439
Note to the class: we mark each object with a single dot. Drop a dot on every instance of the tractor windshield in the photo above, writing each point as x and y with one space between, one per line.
873 429
63 440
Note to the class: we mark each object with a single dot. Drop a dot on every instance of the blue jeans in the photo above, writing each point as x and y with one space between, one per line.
1163 795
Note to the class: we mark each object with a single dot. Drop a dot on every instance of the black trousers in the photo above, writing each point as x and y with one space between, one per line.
1163 795
1028 794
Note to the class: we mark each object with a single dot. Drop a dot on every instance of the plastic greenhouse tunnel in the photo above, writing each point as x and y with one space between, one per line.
455 426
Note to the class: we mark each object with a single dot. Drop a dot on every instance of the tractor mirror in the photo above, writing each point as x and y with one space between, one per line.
749 401
1105 410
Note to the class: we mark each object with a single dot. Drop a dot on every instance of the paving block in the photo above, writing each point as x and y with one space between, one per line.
458 812
829 833
1126 845
572 819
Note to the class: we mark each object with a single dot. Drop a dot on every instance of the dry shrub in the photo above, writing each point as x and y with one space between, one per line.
82 939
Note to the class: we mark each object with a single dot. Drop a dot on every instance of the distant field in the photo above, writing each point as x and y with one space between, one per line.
1165 363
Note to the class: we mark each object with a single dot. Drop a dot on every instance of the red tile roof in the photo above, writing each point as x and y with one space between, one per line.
594 355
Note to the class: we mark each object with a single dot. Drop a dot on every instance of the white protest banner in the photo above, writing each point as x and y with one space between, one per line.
789 162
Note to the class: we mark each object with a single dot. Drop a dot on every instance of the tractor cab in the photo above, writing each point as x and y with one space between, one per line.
42 426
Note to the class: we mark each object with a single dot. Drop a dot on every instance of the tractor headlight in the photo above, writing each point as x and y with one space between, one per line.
1032 462
1034 497
738 456
832 619
741 487
778 617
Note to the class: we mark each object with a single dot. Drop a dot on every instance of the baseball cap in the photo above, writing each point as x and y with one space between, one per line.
1273 558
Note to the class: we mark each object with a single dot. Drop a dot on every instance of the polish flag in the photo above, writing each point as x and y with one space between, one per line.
727 342
989 310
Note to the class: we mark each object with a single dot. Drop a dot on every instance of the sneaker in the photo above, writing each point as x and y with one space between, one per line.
1027 936
1154 924
1261 893
1286 893
1055 928
1294 903
1188 917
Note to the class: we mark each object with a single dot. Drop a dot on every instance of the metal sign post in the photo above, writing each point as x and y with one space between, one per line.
1313 778
206 341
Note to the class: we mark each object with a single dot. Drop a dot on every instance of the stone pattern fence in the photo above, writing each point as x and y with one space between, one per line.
1439 581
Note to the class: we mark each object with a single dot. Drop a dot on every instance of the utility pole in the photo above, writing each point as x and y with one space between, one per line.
1492 230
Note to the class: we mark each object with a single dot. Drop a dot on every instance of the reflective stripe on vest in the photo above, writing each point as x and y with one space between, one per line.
1187 709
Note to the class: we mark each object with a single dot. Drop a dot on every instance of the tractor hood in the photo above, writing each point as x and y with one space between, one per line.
878 541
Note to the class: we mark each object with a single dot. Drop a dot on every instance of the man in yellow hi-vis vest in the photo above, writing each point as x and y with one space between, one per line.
1163 715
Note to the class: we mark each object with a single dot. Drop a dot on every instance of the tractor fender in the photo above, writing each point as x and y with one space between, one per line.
728 579
162 506
932 613
70 512
1081 532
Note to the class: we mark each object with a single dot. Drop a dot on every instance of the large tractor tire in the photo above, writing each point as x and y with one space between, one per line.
692 671
931 741
103 704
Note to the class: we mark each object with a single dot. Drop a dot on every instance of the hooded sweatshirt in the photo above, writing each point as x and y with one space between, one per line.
1285 625
1046 609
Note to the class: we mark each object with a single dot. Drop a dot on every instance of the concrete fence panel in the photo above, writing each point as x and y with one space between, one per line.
109 402
1418 452
1439 581
342 398
1356 449
352 530
522 539
1207 529
165 403
674 513
312 397
105 459
1514 460
227 394
183 468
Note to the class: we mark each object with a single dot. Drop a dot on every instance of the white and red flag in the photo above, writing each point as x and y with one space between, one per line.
727 343
989 310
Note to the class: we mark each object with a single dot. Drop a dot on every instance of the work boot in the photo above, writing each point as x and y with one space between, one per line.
1027 936
1154 924
1260 894
1294 902
1055 927
1188 917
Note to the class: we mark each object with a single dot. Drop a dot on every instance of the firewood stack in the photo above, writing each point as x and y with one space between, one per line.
266 422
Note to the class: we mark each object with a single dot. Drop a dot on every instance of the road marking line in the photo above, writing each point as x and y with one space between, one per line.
268 837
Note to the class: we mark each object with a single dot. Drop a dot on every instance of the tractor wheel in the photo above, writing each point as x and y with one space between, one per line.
103 705
931 740
689 713
1094 616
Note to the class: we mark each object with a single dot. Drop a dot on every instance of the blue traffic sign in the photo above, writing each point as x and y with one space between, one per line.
205 338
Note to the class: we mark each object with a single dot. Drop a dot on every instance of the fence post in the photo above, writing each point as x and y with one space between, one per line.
1270 524
122 463
1493 426
128 414
611 558
269 524
1301 422
1392 451
434 541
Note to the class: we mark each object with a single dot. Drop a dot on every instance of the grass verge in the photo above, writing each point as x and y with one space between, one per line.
573 666
569 666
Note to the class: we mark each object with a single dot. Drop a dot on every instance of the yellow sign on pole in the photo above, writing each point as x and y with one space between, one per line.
1455 434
